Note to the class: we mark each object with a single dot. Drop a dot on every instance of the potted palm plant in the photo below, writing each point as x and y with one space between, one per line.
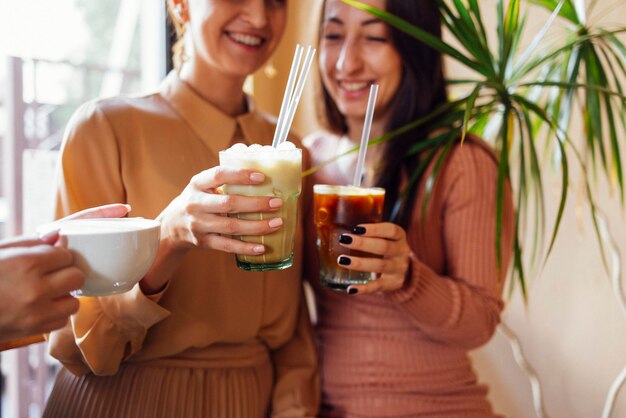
523 101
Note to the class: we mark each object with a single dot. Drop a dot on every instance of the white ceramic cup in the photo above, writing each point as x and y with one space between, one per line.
114 253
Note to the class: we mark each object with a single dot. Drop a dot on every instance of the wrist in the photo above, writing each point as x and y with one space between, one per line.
174 238
411 279
148 288
167 260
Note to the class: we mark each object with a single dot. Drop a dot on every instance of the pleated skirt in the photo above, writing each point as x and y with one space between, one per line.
378 405
139 390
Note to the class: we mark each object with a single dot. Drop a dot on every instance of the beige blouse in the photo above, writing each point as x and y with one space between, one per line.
143 151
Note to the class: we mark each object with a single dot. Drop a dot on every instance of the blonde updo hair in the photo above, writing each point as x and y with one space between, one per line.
178 48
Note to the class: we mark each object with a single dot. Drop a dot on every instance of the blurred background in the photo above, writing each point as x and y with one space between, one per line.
55 55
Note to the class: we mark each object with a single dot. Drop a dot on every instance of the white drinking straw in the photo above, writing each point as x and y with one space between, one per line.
306 68
367 127
291 81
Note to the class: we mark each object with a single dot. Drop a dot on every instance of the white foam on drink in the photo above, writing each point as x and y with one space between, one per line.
347 190
256 148
281 166
286 159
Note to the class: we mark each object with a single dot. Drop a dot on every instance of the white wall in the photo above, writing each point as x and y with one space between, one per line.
572 330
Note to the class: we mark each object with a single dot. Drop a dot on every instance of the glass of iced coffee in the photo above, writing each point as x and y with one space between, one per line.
282 167
338 209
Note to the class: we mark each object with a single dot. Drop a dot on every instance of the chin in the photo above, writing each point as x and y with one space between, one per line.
351 111
352 105
244 69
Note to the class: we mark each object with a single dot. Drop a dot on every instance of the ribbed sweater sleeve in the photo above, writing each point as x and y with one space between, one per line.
462 306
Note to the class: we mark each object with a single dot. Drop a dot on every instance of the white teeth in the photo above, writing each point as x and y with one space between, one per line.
354 86
246 39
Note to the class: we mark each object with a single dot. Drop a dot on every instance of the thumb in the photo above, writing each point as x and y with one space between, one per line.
50 237
115 210
62 242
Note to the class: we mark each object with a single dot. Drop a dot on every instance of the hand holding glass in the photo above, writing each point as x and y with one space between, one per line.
282 168
338 209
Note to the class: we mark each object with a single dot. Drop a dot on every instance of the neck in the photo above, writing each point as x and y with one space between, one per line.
374 153
221 90
355 129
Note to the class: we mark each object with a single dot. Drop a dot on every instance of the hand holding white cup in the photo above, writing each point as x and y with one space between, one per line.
113 253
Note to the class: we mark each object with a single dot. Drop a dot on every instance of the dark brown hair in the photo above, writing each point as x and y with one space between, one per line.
421 91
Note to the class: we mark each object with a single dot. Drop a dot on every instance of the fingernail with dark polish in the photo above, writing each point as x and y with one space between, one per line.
353 291
359 230
344 261
345 239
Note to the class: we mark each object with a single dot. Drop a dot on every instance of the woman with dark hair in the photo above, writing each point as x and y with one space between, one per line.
197 337
397 346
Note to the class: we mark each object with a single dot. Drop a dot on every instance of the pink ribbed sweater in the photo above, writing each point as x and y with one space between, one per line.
404 354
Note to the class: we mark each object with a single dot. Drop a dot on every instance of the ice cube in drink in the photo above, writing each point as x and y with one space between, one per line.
282 167
338 209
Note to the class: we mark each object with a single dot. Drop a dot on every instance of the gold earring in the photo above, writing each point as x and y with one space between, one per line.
270 71
181 13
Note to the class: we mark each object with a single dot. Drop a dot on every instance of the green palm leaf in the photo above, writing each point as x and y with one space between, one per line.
464 28
535 170
520 95
469 107
421 35
510 32
568 11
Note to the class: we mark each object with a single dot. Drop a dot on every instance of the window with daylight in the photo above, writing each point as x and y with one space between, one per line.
60 54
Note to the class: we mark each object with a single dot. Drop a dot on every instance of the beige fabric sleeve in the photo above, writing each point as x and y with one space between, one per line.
105 330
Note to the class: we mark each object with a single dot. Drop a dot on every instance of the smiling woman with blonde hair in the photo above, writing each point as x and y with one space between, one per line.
197 337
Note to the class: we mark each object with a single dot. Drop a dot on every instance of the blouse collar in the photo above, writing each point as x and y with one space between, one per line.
214 127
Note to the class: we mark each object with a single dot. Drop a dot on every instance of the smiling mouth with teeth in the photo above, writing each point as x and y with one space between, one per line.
247 40
354 86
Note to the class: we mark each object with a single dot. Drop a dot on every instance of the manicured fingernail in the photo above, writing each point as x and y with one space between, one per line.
353 290
128 208
275 223
358 230
257 177
48 235
276 203
345 239
344 261
259 249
